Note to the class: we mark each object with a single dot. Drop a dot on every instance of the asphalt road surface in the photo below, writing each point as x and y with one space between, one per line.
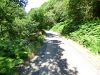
60 56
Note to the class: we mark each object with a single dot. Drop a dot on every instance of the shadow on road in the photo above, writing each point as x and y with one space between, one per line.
49 61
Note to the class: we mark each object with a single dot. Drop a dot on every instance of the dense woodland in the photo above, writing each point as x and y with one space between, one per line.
20 36
21 33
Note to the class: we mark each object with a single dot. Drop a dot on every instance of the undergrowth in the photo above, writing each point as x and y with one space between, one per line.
88 34
59 27
15 53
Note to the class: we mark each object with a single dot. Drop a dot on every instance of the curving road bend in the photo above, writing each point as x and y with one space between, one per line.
60 56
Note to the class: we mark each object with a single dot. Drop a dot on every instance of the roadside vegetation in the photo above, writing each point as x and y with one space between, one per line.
21 33
20 36
76 19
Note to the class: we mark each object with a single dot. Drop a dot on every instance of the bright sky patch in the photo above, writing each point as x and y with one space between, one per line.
34 4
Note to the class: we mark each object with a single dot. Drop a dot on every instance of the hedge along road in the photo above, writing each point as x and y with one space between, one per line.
60 56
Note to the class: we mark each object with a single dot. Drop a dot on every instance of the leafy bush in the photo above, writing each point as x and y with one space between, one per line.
89 35
59 26
19 36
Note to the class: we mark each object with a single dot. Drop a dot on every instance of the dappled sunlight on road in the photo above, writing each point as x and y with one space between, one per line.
58 57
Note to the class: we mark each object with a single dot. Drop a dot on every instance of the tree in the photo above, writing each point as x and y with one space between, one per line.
23 2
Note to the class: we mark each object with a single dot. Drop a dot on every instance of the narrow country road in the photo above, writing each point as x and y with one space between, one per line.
60 56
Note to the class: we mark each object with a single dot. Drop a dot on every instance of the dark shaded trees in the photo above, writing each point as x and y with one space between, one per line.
18 36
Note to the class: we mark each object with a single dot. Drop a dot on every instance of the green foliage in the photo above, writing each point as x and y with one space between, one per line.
20 35
7 65
71 26
59 27
88 35
37 16
75 18
53 13
96 10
